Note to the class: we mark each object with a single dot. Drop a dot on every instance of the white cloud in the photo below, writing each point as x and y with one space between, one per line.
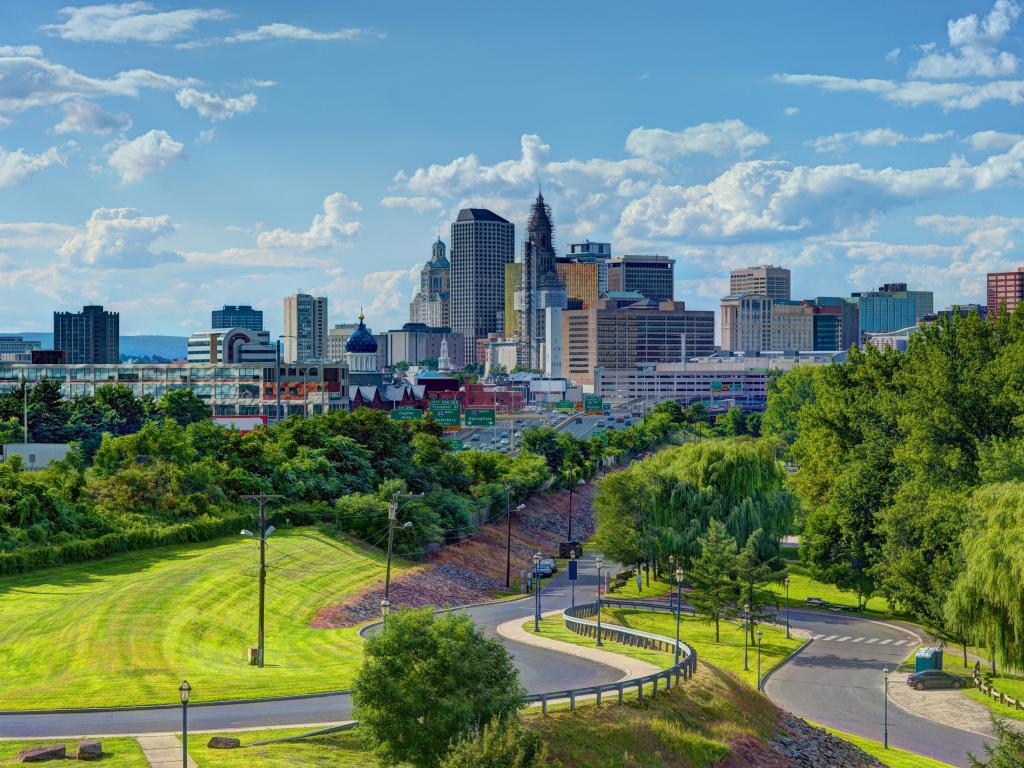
973 42
418 203
730 137
385 288
790 111
87 117
20 50
205 137
253 83
136 21
215 107
893 55
984 141
120 238
330 229
916 92
291 32
34 234
30 81
875 137
17 165
135 159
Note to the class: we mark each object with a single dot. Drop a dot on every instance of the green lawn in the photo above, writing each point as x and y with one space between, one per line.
657 588
1011 686
802 586
896 758
119 753
126 630
338 749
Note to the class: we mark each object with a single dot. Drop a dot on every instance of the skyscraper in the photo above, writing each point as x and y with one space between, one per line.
431 305
767 280
593 253
241 316
541 288
653 277
1005 288
89 336
305 328
892 307
482 244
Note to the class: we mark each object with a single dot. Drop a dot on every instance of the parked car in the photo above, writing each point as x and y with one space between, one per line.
547 567
935 678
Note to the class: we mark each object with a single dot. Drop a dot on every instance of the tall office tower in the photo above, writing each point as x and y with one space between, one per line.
836 323
541 287
305 328
241 316
596 253
765 280
431 304
746 323
892 307
650 276
1005 288
89 336
792 326
582 279
482 244
513 279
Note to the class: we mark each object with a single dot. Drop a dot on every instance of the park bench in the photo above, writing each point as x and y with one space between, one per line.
816 602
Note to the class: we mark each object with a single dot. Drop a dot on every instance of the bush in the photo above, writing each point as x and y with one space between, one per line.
501 745
427 681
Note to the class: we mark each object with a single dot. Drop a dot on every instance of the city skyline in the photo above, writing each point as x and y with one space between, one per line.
163 159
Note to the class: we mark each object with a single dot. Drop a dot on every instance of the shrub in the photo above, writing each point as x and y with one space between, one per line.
500 745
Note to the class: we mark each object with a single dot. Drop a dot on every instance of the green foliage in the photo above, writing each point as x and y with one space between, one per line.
1008 751
787 394
500 745
715 591
427 681
183 406
11 430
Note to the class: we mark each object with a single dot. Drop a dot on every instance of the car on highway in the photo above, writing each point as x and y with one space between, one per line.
474 438
547 567
935 678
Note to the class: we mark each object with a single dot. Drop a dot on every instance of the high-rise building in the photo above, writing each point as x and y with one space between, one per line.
766 280
626 332
836 323
541 288
89 336
414 342
241 316
337 335
431 305
305 328
18 345
482 244
892 307
513 281
596 253
582 279
792 326
651 276
746 323
1005 288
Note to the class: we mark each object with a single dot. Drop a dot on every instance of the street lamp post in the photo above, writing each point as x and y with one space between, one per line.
679 606
508 543
671 575
264 533
572 582
536 590
885 709
385 609
600 565
746 631
787 605
759 633
184 692
392 520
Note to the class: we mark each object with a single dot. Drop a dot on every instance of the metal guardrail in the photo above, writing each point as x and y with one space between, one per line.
576 621
648 605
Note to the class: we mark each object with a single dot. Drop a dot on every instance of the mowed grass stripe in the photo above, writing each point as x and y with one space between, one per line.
126 630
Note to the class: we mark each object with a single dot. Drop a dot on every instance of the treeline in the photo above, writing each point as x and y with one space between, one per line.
179 477
911 476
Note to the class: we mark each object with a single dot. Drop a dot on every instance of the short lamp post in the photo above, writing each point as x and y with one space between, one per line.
671 572
536 590
746 632
385 609
572 582
184 692
600 564
786 582
679 606
759 634
885 709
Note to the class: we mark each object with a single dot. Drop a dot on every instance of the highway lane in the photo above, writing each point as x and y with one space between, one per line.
836 680
540 670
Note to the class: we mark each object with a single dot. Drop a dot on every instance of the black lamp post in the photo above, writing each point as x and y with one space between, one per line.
600 565
759 633
746 631
671 575
184 692
786 582
572 582
885 709
679 606
536 589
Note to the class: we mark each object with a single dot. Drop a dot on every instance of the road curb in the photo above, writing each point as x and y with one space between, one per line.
778 664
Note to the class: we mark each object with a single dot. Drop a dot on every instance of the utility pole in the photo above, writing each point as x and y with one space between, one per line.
264 533
24 395
508 536
392 520
277 377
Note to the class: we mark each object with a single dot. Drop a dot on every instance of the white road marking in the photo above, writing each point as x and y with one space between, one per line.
843 639
857 640
886 642
872 640
832 637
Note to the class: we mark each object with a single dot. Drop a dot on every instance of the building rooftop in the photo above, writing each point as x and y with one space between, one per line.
479 214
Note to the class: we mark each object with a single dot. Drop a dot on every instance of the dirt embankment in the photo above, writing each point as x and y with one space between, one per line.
474 569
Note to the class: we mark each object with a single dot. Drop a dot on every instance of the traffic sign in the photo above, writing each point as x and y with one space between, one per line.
593 404
572 570
564 405
447 413
455 444
406 413
726 386
479 417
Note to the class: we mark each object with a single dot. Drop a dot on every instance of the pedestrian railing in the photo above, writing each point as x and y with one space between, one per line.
999 696
649 605
577 620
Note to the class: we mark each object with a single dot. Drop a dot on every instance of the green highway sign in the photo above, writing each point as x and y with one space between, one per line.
726 386
564 405
455 444
447 413
479 417
593 404
406 413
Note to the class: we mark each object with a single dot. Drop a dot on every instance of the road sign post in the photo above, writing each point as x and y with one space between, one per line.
447 413
480 417
406 413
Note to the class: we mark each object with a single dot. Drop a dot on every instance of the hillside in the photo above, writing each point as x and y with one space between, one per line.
170 347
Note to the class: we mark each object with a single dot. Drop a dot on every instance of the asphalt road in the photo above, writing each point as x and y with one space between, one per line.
836 680
540 670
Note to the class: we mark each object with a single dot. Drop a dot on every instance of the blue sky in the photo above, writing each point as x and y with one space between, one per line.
163 159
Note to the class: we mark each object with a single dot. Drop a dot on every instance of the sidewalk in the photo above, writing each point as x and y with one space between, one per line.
163 751
630 668
946 707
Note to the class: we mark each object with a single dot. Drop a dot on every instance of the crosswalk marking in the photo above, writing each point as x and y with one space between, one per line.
886 641
872 640
843 639
865 640
899 642
857 640
832 637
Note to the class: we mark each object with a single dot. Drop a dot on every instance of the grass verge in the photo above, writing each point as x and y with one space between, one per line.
802 586
896 758
126 630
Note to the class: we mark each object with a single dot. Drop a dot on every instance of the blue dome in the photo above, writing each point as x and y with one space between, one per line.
361 339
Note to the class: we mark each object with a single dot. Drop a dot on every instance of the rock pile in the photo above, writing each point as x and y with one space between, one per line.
798 745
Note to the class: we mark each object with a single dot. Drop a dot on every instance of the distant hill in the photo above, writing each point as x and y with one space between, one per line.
169 347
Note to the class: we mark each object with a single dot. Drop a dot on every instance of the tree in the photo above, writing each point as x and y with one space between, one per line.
402 366
757 565
11 430
732 423
500 745
426 681
183 406
787 394
428 363
711 575
1008 751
